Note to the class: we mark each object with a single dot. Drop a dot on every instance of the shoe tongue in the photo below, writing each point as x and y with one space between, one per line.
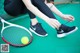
64 27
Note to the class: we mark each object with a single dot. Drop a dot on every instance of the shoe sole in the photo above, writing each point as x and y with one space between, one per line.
37 33
65 34
72 31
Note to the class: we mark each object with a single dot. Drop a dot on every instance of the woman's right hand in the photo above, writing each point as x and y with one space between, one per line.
68 17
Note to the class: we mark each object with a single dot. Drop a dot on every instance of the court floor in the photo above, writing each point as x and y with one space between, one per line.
51 44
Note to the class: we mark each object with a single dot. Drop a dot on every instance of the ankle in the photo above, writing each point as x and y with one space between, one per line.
58 28
34 21
63 27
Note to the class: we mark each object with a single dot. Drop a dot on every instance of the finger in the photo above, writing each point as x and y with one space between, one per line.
57 23
72 17
69 19
54 22
50 24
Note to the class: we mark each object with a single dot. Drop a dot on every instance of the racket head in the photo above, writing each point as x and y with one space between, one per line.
12 35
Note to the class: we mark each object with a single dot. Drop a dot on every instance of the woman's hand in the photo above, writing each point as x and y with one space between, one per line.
52 22
68 17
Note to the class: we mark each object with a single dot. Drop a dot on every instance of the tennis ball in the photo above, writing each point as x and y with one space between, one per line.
24 40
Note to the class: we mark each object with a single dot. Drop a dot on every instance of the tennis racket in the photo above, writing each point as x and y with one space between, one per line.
12 34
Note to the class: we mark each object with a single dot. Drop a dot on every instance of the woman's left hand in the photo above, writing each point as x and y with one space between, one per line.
68 17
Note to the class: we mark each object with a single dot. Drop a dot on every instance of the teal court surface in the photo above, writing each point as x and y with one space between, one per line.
50 44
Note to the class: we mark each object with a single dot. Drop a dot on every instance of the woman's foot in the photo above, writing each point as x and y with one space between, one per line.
66 31
38 30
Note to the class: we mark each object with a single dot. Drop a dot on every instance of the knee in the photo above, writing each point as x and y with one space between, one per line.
11 11
6 9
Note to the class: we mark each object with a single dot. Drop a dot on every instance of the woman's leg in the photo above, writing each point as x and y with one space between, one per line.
6 16
62 28
6 2
16 7
40 4
44 9
34 21
13 7
35 25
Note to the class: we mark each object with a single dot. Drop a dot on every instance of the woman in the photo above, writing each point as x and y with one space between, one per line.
43 10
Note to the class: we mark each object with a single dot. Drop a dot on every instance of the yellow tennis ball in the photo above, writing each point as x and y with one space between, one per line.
24 40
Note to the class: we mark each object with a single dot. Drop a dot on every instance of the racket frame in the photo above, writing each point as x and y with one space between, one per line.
11 24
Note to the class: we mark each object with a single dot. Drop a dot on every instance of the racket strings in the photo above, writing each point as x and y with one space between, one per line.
14 34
